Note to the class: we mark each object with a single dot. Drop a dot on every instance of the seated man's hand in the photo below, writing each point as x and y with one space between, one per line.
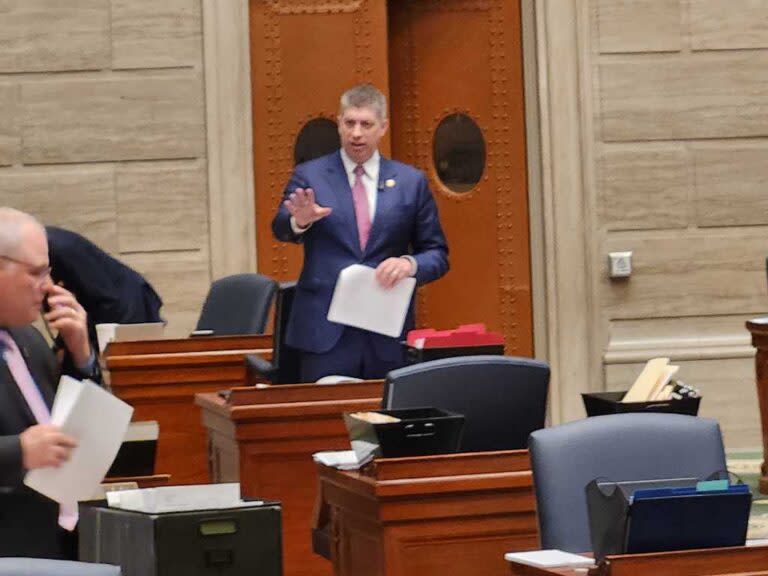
392 270
69 319
45 445
302 206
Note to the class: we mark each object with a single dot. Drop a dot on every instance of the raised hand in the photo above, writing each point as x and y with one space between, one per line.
69 318
302 206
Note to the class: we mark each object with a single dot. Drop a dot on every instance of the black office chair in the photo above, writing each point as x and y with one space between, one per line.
503 398
619 448
238 304
284 367
43 567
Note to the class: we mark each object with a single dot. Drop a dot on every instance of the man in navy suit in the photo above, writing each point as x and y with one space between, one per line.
356 207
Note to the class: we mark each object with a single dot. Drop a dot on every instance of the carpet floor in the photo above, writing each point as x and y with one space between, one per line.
747 466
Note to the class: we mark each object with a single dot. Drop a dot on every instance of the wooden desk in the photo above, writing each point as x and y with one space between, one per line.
159 378
265 438
759 330
141 481
453 514
742 561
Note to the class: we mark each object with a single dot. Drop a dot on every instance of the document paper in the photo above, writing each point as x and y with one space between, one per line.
99 421
360 301
548 558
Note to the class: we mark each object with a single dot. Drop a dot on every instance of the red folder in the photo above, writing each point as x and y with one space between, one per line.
465 335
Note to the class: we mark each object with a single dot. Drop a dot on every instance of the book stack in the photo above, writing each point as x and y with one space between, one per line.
654 383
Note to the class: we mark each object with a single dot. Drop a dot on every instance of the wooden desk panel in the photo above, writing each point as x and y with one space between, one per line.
759 330
431 516
265 437
159 378
741 561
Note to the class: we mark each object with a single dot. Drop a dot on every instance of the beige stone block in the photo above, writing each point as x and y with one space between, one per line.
728 24
162 207
130 118
638 26
697 331
152 34
80 199
695 273
728 393
731 186
714 95
182 280
51 35
9 132
644 188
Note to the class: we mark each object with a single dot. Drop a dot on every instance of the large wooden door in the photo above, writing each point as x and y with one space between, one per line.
304 54
459 62
453 71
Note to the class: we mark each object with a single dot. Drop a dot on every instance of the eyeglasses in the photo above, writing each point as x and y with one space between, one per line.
39 273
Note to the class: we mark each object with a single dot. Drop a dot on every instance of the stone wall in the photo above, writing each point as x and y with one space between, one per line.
102 130
679 129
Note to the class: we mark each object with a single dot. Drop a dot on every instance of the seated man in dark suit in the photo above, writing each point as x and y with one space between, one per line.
31 524
109 290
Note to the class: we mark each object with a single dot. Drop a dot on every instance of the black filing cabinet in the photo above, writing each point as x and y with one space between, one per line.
227 542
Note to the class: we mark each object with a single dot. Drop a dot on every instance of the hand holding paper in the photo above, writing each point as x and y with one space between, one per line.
98 421
360 301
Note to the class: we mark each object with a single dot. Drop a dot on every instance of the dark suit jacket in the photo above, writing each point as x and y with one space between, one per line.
109 290
405 222
28 520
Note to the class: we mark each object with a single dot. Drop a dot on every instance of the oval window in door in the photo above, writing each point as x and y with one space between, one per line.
316 138
459 152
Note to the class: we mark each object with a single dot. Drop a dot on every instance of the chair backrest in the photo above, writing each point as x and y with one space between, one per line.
238 304
503 398
285 358
619 448
44 567
284 367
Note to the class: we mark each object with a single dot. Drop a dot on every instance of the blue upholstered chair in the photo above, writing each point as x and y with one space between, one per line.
503 398
238 304
41 567
619 447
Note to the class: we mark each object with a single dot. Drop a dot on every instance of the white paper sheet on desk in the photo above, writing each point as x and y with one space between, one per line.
98 421
341 459
359 301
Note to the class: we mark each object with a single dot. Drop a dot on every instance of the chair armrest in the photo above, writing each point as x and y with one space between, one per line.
256 363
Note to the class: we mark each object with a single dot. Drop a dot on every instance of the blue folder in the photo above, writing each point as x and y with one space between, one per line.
687 518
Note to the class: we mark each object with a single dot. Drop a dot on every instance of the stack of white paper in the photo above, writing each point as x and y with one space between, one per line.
180 498
337 379
341 459
548 558
359 301
98 420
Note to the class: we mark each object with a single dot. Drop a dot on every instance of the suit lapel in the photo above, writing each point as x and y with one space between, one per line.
387 195
345 206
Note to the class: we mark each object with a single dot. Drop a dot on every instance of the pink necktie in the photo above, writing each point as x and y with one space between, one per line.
360 198
18 368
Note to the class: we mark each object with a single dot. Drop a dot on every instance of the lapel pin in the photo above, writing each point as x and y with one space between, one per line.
389 183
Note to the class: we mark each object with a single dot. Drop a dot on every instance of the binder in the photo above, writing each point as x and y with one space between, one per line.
664 515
